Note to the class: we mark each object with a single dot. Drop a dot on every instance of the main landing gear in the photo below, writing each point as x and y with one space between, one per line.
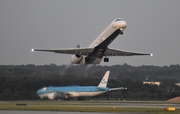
106 59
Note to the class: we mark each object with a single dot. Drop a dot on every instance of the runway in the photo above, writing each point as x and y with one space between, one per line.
101 104
44 112
58 112
136 104
147 105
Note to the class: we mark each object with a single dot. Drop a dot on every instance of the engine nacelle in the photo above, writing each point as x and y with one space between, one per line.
51 96
61 95
76 59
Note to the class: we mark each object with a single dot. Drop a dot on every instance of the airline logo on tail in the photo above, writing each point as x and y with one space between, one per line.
103 81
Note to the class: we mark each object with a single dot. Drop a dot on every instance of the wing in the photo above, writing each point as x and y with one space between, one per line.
114 52
82 51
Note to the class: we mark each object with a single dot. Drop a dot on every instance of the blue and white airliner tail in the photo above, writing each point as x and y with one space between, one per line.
98 49
77 91
104 80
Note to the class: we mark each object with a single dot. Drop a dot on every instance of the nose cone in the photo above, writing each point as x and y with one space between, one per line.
41 91
122 25
38 92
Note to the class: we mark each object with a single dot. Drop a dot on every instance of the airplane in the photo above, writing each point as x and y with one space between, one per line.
68 92
99 47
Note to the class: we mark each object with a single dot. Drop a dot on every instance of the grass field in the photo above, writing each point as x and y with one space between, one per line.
81 106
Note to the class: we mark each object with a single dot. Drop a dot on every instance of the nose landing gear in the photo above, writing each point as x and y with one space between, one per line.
121 32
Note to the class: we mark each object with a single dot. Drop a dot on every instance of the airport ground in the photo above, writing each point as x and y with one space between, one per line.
154 107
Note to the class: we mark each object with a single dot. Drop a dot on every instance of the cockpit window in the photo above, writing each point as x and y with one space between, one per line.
119 19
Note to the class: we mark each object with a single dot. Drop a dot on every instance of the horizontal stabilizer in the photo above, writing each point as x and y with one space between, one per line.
118 88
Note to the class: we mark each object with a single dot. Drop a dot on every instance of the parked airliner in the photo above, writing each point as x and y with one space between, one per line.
98 49
77 91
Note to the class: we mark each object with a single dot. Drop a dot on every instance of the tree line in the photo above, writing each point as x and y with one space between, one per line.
20 82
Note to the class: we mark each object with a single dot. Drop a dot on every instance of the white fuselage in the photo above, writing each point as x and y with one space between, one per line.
105 38
108 31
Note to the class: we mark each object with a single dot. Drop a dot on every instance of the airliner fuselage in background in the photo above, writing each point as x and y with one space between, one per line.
77 91
98 49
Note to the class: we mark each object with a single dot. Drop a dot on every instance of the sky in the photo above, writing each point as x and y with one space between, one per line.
152 27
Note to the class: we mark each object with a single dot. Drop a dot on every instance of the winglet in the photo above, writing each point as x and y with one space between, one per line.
104 80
